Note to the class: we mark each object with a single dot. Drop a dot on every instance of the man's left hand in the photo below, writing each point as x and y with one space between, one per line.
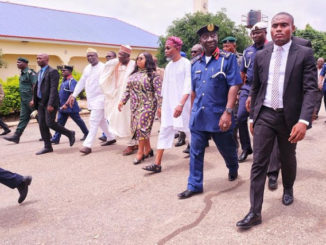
225 122
50 108
298 132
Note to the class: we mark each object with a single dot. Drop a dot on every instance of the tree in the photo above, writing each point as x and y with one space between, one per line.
317 38
186 29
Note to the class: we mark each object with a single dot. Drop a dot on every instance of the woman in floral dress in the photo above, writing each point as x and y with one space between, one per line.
144 90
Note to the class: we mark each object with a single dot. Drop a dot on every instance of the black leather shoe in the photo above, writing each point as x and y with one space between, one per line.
6 131
84 137
102 138
233 177
137 161
188 193
181 139
287 198
150 154
272 182
72 138
110 142
85 150
249 221
44 150
23 188
243 156
15 138
187 150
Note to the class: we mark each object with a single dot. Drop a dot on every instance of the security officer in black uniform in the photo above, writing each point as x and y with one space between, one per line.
27 80
215 82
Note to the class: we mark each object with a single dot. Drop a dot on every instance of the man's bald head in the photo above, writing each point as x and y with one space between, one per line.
42 60
320 62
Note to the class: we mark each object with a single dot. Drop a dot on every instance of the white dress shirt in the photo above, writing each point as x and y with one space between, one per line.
90 81
268 96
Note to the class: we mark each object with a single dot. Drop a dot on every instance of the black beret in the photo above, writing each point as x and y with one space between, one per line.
23 60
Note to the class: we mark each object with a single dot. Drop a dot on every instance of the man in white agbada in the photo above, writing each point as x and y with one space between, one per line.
95 100
175 111
113 82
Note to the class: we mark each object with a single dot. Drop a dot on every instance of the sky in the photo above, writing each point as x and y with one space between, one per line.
156 15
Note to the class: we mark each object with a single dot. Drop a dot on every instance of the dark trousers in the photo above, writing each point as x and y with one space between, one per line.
62 119
325 100
242 121
274 162
319 98
46 121
270 126
24 117
10 179
4 125
226 145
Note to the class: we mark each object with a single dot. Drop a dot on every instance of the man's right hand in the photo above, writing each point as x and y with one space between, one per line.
31 103
71 101
251 127
248 103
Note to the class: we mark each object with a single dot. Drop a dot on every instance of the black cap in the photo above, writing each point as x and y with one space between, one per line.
69 68
208 28
23 60
229 40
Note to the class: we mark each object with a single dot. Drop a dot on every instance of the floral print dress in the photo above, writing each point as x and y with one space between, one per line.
145 97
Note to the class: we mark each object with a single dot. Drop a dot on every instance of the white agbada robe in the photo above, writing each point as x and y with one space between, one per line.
176 84
95 102
113 86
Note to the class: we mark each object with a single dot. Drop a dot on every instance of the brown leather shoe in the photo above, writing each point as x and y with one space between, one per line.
85 150
130 150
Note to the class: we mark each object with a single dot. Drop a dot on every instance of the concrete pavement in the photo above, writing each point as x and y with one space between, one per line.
102 198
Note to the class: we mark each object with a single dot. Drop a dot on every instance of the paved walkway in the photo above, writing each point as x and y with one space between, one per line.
103 198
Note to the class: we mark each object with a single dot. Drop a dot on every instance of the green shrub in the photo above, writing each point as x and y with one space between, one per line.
11 102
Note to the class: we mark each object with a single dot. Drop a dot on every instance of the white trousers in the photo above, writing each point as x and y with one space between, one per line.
96 120
166 136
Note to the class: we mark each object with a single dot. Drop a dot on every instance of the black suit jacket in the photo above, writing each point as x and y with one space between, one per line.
300 86
49 89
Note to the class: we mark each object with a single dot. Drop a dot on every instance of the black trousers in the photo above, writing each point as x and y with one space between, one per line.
46 120
10 179
274 162
270 126
4 125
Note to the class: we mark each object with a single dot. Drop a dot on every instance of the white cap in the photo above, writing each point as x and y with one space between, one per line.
259 26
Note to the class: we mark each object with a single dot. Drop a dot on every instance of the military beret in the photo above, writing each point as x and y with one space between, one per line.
229 40
69 68
23 59
208 28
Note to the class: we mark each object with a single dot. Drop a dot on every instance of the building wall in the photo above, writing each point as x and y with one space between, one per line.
60 54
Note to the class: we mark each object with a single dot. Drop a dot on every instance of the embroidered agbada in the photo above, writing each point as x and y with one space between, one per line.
113 82
144 95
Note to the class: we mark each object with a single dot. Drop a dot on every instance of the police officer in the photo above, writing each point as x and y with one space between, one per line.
215 83
258 35
66 89
27 80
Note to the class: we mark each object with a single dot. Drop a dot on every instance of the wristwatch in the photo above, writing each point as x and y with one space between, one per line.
229 110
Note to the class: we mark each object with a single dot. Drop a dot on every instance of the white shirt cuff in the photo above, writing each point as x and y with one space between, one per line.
304 121
251 120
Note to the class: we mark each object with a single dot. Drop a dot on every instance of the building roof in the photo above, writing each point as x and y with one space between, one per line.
22 21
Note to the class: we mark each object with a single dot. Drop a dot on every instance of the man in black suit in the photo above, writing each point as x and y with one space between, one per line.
282 103
275 162
46 101
14 180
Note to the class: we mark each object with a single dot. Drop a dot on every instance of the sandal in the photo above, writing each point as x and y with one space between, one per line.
150 154
153 168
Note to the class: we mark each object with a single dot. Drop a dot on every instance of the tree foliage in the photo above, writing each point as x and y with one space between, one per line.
186 29
317 38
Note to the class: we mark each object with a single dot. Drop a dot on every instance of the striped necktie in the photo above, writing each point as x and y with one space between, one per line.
276 78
